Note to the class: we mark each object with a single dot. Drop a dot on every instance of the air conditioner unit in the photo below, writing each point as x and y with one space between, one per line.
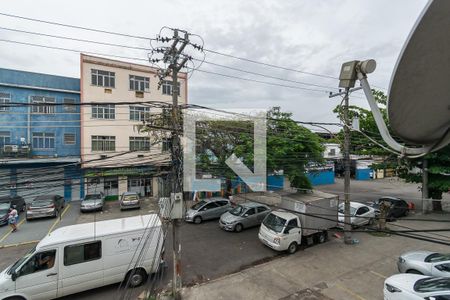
139 94
10 148
103 156
140 155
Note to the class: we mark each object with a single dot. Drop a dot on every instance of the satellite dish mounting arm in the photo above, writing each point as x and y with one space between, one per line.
362 77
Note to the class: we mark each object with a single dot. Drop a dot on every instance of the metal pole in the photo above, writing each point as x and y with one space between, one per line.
347 218
424 186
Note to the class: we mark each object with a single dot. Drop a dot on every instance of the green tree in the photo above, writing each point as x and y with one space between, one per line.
290 147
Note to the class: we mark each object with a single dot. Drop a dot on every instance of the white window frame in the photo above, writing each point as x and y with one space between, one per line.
41 108
69 105
104 143
166 87
139 83
5 98
138 113
142 143
103 78
70 142
5 138
103 111
47 139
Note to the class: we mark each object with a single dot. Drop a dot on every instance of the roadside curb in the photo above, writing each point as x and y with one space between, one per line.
19 244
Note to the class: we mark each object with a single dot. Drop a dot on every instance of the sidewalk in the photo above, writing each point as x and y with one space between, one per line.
330 270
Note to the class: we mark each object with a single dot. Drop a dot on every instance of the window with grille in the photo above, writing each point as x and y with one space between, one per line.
69 105
166 145
167 87
43 140
5 138
104 111
103 78
138 113
139 83
69 139
103 143
40 107
111 183
5 99
139 143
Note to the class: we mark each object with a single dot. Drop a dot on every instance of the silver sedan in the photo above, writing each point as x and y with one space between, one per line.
244 215
425 262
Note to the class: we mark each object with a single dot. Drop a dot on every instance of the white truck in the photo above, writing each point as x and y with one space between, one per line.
299 218
80 257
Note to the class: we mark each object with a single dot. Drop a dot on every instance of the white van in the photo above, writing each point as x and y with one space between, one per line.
80 257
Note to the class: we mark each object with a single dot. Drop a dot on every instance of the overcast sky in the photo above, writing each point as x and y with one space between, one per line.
315 36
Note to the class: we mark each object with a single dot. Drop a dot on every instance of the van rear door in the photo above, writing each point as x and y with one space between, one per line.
82 267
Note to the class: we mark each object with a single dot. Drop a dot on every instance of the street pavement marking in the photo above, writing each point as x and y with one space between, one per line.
378 274
59 219
350 292
19 244
9 232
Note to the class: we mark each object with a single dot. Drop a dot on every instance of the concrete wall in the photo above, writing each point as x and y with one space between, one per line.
320 177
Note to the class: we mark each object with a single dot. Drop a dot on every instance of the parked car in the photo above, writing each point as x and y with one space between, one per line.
72 259
130 200
8 202
398 207
92 202
360 214
207 209
425 263
244 215
45 206
416 287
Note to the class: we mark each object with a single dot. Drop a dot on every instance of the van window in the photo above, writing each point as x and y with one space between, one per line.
77 254
39 262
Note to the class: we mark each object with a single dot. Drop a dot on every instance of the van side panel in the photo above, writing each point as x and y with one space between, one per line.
122 252
81 276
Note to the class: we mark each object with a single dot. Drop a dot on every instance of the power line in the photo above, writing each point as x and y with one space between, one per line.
76 27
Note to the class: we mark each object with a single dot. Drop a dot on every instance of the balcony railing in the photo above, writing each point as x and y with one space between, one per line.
15 151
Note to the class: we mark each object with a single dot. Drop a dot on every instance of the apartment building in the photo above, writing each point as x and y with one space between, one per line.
39 135
115 155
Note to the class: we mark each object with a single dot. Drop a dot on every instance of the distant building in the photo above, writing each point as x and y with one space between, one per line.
332 151
39 134
108 131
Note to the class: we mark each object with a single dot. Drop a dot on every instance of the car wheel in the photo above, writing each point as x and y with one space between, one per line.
292 248
412 271
238 227
197 220
370 223
322 237
135 278
406 213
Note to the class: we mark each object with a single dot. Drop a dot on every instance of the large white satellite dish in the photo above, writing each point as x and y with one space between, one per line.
419 93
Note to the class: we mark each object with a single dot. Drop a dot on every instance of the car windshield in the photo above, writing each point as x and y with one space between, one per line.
198 205
93 197
342 211
437 257
432 284
274 222
237 211
21 260
4 207
130 197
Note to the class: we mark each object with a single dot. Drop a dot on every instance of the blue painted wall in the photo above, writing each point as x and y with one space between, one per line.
320 177
363 174
21 86
275 182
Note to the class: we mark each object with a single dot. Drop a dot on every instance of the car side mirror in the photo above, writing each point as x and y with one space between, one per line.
14 276
286 230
